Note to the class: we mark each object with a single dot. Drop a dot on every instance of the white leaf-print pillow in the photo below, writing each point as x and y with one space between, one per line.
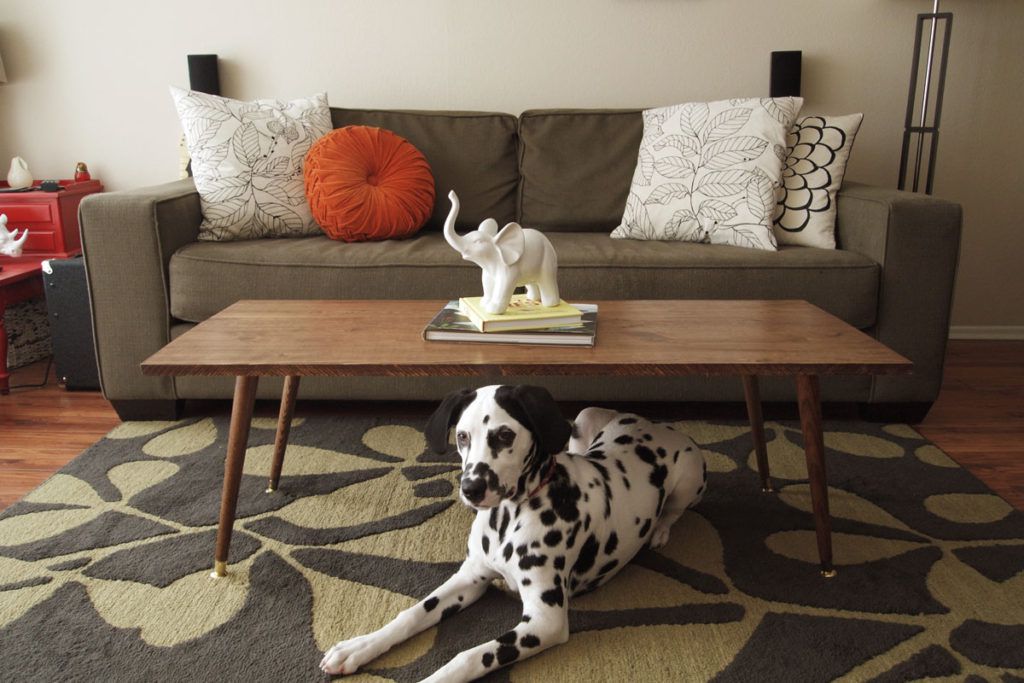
247 162
708 172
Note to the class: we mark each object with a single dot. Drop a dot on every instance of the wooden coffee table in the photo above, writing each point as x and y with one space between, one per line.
747 339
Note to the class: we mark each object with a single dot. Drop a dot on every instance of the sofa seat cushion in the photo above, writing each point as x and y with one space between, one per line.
205 277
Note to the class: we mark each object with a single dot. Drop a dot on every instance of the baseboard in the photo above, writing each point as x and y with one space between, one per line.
995 332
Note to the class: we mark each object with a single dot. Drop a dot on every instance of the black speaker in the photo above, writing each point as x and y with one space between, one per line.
786 74
203 75
67 303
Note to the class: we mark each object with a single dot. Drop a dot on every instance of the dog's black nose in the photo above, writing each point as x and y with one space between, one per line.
474 489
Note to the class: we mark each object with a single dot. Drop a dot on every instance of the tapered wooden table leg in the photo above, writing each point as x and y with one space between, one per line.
809 399
238 439
284 427
752 393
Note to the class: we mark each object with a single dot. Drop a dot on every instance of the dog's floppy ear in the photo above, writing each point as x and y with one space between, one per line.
445 416
550 429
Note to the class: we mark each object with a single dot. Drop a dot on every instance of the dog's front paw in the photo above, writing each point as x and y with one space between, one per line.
659 536
347 656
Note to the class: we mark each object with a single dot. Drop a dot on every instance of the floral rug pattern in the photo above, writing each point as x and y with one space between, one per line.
104 569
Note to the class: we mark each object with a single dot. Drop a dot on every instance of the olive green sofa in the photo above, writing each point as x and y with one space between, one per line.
566 172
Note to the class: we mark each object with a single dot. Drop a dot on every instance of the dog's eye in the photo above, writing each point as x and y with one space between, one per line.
462 439
506 436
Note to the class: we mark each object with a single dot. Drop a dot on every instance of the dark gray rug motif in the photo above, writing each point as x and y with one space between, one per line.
104 568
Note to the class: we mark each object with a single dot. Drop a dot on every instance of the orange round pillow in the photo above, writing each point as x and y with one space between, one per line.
365 183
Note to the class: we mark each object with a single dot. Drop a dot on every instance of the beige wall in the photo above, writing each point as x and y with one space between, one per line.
89 82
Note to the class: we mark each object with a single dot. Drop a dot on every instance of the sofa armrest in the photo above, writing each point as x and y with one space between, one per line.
916 240
128 239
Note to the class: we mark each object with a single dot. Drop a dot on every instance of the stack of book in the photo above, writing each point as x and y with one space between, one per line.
524 322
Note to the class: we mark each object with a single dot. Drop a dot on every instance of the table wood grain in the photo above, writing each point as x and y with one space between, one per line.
650 338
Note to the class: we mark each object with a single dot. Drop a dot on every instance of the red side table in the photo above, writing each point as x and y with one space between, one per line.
19 281
52 222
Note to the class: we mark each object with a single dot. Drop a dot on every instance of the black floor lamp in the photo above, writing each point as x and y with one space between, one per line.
921 141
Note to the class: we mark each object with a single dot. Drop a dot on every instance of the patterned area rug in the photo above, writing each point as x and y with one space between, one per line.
104 568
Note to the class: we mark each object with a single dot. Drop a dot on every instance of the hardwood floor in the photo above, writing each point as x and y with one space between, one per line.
978 420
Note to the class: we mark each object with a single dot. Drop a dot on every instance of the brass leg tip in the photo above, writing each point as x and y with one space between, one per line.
270 489
220 570
828 573
767 489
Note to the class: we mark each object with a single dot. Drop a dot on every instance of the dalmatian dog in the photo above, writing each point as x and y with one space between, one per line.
560 509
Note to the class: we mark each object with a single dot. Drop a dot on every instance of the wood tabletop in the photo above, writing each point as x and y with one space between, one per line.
652 338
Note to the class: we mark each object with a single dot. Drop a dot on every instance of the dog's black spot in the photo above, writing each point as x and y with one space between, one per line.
526 619
530 561
529 640
535 503
564 496
588 553
646 454
559 563
460 598
627 421
675 457
505 517
596 455
645 528
611 544
507 638
519 525
624 439
535 544
507 654
487 418
548 517
586 523
648 437
625 482
450 611
571 540
488 659
430 604
608 567
662 453
521 549
499 439
586 497
485 543
554 597
658 475
553 538
526 581
507 551
573 583
599 435
601 469
637 521
622 468
493 521
688 449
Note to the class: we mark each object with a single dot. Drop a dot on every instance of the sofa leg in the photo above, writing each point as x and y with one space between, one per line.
148 409
912 412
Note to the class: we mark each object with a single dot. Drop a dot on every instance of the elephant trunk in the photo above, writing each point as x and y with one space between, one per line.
449 224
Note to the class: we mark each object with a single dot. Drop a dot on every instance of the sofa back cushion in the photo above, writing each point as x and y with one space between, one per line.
473 153
576 167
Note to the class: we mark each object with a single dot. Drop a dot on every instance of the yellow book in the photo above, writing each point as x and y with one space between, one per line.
521 314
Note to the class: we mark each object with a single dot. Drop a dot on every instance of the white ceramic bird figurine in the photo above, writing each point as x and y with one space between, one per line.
10 244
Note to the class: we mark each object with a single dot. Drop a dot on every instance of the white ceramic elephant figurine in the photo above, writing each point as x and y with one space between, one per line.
512 257
10 245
